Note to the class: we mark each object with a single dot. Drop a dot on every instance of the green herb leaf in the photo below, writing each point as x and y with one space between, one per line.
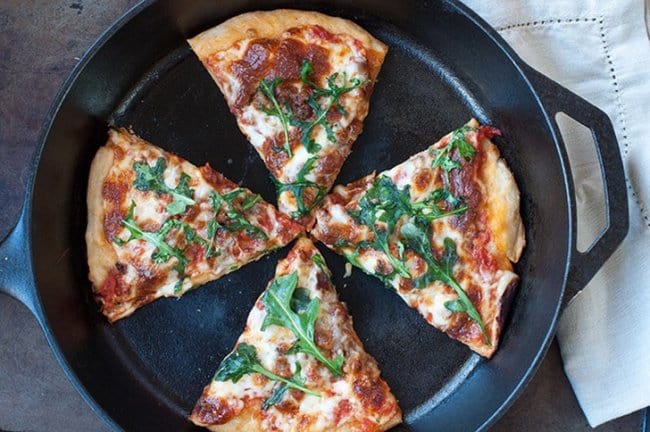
305 71
250 201
455 306
237 221
243 360
300 300
383 205
380 209
281 389
443 156
332 95
268 87
163 252
319 261
277 300
150 178
430 208
417 238
210 251
298 188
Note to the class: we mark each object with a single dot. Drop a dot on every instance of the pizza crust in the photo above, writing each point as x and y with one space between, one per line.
245 420
272 24
101 256
501 197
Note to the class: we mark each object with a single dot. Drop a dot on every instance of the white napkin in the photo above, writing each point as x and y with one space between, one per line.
599 49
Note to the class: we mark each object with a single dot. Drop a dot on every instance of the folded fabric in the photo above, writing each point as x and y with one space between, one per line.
599 50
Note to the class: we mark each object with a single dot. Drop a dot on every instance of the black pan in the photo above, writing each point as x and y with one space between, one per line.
444 66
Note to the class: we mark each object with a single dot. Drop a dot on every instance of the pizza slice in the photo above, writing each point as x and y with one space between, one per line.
159 226
299 85
442 229
298 365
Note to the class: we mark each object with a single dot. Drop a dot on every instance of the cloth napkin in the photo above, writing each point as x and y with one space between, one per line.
599 50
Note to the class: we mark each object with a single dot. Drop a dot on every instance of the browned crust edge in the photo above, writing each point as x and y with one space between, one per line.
100 254
272 24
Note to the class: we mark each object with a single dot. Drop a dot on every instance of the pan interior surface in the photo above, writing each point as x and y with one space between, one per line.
146 371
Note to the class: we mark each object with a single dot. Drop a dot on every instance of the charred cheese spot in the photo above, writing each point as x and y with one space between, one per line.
343 410
371 392
112 289
213 411
113 223
422 180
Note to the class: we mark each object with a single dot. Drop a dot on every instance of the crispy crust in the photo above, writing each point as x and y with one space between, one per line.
272 24
502 203
101 256
501 199
245 420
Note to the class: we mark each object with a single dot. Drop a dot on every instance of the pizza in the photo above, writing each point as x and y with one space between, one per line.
298 365
299 85
159 226
442 229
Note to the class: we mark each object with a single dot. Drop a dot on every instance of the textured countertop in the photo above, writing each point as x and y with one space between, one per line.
40 42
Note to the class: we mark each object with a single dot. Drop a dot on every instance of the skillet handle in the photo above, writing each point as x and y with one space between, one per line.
16 277
556 98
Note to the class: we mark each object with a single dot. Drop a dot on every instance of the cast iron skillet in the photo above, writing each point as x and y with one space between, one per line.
444 65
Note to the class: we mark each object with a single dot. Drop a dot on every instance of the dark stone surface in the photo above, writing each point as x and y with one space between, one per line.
40 42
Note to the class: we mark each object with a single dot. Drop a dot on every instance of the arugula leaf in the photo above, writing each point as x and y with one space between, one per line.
191 236
305 71
417 238
150 178
163 252
268 87
443 156
380 209
281 389
429 209
237 221
300 300
250 201
210 251
277 300
332 93
297 188
319 261
383 205
243 360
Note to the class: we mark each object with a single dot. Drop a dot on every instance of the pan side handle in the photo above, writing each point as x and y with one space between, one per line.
16 277
556 98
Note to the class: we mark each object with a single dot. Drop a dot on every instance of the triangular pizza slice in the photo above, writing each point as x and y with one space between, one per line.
159 226
299 84
298 365
442 229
